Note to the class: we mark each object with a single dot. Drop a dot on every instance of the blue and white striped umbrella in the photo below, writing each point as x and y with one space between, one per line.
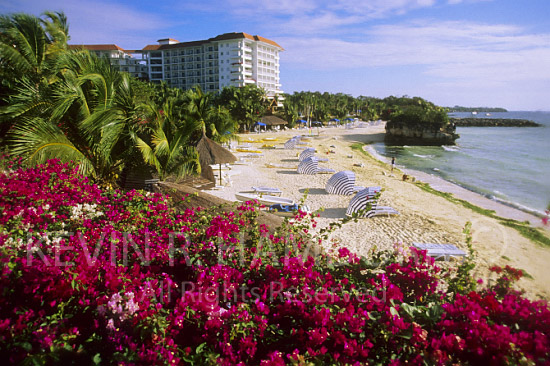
291 144
307 153
341 183
308 166
360 201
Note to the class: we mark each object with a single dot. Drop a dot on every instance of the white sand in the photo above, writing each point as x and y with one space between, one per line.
424 217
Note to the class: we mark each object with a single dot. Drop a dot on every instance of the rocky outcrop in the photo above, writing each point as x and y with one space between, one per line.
493 122
403 134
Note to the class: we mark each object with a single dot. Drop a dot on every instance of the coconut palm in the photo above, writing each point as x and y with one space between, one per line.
85 116
220 126
165 140
29 49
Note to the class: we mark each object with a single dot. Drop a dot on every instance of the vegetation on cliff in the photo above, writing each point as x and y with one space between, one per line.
422 124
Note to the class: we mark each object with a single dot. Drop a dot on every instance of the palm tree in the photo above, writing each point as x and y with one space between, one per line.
85 116
245 104
29 49
166 141
198 106
220 126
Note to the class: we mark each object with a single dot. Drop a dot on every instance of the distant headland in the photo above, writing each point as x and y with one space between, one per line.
458 108
492 122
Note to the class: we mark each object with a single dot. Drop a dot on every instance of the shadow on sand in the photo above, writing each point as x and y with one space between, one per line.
364 138
313 190
333 213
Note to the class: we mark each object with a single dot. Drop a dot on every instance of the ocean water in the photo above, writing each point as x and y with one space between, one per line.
508 164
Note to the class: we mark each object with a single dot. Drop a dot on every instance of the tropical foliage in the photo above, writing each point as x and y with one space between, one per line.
93 276
316 106
72 105
246 104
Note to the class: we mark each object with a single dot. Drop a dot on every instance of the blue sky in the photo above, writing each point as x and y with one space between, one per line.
465 52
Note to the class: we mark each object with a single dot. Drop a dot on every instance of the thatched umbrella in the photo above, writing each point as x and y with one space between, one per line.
273 120
212 153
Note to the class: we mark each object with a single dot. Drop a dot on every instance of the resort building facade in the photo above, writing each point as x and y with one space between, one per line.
230 59
119 58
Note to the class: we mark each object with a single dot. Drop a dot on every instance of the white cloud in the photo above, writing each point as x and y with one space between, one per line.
380 8
446 49
99 21
286 7
449 60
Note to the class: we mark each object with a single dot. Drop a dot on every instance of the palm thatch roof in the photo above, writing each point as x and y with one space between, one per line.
212 153
273 120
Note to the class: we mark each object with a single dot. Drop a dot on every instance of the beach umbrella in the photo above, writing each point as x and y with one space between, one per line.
308 166
360 201
342 183
260 124
307 153
273 120
212 153
291 144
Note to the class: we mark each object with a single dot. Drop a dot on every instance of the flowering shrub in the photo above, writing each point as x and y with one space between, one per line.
109 277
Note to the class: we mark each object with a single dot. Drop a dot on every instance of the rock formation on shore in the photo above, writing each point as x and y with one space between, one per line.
417 134
493 122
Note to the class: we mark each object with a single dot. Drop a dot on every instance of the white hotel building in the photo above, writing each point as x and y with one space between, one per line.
119 58
230 59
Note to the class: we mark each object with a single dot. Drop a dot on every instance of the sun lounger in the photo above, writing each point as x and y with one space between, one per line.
241 162
267 190
441 251
381 210
325 171
287 210
372 190
251 156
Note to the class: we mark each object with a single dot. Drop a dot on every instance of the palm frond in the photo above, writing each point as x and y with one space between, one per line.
38 141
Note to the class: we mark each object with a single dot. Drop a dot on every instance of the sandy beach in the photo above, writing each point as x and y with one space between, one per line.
424 217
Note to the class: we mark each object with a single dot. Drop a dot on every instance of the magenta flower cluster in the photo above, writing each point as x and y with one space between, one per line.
92 276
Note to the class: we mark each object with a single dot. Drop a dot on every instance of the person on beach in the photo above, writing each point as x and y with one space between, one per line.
392 163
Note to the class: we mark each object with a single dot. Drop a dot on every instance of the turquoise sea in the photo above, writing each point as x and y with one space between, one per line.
508 164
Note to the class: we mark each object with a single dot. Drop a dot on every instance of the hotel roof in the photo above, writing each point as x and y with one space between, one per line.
96 47
221 37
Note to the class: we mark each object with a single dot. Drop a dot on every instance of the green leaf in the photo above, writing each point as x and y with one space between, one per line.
200 348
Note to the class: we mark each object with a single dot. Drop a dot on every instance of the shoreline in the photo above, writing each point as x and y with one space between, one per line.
502 209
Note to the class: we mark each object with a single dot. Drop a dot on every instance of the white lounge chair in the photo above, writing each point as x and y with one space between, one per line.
372 190
381 210
267 190
441 251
